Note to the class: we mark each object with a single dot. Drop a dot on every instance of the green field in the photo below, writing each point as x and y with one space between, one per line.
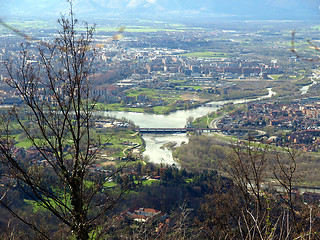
149 182
154 93
194 87
149 26
275 76
114 137
143 28
206 55
117 107
151 93
203 122
32 24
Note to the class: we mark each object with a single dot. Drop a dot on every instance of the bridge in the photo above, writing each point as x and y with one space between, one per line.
213 105
175 130
186 130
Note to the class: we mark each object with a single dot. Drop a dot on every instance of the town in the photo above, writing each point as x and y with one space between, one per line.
131 76
164 71
155 74
295 124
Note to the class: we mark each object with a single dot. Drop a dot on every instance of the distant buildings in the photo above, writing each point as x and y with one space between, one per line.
298 120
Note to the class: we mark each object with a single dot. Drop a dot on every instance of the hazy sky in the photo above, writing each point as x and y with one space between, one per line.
267 9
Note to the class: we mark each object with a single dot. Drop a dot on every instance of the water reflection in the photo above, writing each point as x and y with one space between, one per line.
176 119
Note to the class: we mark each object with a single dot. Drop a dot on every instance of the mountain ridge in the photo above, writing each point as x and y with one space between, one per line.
249 9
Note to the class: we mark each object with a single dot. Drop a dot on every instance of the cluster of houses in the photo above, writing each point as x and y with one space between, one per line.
299 120
120 67
153 68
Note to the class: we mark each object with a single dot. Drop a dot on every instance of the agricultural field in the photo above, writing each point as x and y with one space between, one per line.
206 54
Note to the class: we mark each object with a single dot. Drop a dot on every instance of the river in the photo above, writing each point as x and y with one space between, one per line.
305 89
177 119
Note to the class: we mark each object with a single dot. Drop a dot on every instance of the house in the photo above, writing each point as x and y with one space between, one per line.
104 90
142 214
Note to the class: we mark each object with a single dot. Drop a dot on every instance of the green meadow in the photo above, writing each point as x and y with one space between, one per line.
206 54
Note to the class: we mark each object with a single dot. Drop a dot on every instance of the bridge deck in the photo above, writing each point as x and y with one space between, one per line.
174 130
185 130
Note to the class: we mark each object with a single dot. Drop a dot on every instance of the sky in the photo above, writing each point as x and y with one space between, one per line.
240 9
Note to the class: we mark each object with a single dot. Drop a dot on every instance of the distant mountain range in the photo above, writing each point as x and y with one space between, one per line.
226 9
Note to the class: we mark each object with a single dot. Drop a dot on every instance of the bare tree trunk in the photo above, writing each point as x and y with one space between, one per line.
58 122
247 168
285 173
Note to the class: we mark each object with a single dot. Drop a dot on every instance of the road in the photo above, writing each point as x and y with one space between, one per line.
214 122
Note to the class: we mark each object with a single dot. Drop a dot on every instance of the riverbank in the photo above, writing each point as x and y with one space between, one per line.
183 104
176 119
208 152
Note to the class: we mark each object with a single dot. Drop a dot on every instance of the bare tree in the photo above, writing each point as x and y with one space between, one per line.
247 168
285 173
58 121
312 45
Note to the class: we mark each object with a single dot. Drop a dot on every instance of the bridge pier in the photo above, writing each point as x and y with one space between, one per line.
175 130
